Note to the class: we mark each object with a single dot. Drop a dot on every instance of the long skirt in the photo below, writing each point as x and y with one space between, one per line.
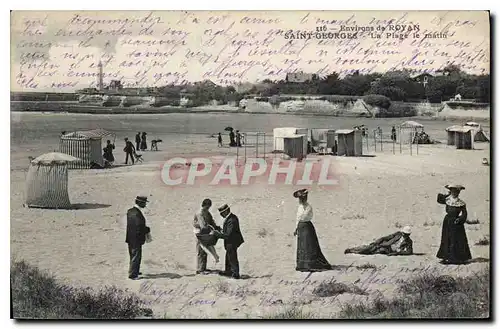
144 145
454 246
309 255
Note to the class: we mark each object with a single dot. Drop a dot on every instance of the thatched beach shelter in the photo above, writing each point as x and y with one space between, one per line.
85 145
47 181
408 129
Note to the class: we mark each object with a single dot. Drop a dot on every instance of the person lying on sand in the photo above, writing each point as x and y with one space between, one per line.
395 244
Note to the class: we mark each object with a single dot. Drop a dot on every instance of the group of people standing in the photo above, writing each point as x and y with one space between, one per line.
235 139
454 247
141 142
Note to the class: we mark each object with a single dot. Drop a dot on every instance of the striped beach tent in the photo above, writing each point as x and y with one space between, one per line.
47 181
85 145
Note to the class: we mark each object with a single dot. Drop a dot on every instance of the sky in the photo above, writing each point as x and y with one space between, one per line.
59 51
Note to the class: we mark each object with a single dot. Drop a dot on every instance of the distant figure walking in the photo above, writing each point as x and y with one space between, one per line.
231 139
238 138
144 143
108 152
309 255
454 248
136 236
138 141
219 140
129 150
393 133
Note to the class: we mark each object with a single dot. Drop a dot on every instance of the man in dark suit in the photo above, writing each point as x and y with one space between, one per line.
129 150
136 235
232 240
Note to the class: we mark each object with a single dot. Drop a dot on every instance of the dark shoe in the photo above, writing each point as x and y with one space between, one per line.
202 272
140 273
236 277
133 277
224 273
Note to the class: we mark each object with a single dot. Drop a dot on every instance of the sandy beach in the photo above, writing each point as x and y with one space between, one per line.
375 196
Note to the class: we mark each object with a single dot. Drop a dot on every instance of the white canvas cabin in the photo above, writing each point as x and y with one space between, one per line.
280 133
47 181
350 142
85 145
477 131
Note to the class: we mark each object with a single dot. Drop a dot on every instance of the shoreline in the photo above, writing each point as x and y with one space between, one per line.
117 111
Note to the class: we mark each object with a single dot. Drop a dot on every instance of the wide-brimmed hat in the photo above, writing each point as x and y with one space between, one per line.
455 186
223 208
406 230
141 198
300 193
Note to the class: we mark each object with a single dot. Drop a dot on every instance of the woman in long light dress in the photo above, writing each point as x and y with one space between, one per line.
309 255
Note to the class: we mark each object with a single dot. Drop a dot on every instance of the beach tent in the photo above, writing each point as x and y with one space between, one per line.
407 129
479 135
451 133
350 142
293 146
464 138
280 133
47 181
319 138
85 145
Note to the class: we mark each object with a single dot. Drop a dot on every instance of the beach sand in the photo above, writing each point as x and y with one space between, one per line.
375 196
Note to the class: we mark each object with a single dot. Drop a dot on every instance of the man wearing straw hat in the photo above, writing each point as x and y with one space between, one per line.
232 240
136 235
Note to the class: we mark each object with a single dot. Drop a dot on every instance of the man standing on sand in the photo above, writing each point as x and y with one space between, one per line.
129 150
138 141
232 240
203 224
136 236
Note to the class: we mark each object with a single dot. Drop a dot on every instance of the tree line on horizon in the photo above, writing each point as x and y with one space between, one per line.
395 85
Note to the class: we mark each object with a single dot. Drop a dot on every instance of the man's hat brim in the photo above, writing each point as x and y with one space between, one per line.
223 208
455 187
300 193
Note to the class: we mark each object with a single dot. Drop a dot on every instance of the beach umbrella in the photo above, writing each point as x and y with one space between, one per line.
54 157
411 124
228 129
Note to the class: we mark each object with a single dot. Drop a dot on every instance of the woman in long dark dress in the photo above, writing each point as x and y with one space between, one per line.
108 152
454 247
309 255
144 143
